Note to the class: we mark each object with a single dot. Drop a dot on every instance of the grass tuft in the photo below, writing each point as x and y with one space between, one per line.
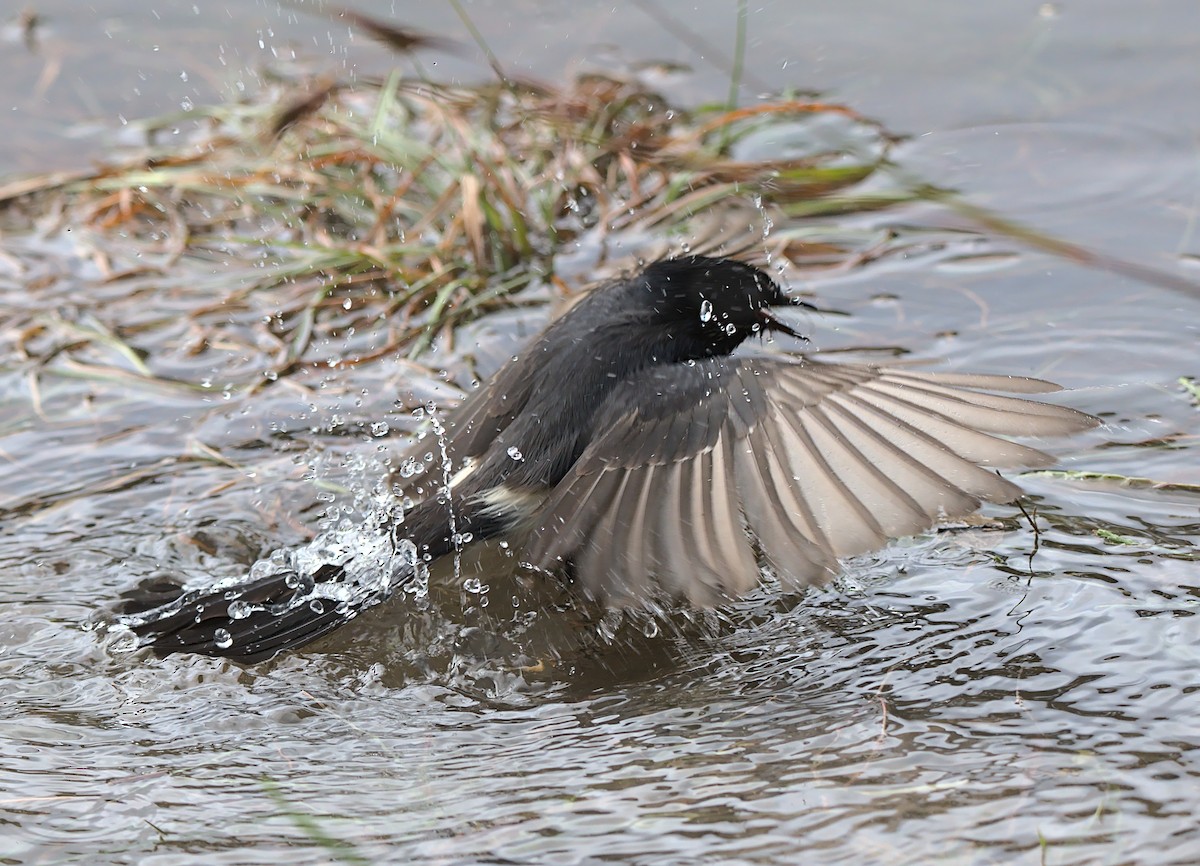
315 207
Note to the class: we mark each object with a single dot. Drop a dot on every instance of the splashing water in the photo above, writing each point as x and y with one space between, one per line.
439 430
353 564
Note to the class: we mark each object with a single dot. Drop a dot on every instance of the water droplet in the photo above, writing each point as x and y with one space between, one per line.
302 583
240 609
706 310
222 638
731 329
380 428
316 606
515 453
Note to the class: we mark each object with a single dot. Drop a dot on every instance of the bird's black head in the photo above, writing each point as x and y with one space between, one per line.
709 306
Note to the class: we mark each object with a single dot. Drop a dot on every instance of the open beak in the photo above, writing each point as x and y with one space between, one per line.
771 322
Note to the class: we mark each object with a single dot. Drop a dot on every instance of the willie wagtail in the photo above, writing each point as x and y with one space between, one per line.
628 449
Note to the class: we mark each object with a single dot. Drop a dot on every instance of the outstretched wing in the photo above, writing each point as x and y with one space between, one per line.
699 470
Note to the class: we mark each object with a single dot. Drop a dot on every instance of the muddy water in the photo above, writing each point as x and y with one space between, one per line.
982 696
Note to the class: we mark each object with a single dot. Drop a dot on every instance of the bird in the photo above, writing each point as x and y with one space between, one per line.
639 450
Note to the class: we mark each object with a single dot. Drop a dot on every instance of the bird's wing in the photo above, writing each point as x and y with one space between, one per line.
699 470
470 427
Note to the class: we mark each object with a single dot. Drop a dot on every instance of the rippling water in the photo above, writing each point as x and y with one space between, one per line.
988 694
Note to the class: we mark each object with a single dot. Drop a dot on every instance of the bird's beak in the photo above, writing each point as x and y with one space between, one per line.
771 322
800 302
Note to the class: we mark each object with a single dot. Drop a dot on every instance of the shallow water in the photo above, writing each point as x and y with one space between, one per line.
978 696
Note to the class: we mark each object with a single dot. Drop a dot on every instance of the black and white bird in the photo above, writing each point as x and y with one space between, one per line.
657 462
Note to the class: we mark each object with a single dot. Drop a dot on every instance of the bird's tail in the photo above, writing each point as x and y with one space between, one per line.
295 596
281 605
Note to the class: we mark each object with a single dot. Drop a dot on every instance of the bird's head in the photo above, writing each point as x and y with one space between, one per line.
709 306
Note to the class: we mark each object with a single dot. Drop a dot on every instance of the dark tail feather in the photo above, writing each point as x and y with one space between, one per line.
252 621
289 606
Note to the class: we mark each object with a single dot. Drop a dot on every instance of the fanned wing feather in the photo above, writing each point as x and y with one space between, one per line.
696 468
983 382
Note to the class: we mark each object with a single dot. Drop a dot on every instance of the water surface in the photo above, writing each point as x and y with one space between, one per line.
989 695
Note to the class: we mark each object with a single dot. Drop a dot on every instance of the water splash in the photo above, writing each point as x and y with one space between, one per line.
358 560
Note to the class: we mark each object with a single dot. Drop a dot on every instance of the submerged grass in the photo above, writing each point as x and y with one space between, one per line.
429 203
337 850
